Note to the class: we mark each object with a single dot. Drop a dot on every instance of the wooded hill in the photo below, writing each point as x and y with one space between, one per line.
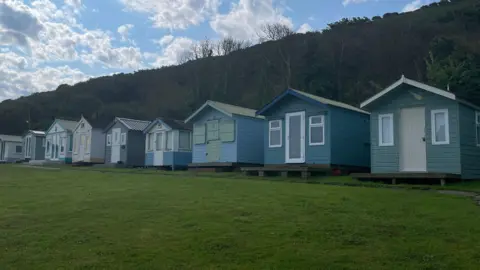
349 61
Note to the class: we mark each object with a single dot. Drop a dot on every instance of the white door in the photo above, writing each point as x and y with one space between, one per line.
81 148
413 152
158 148
295 137
115 145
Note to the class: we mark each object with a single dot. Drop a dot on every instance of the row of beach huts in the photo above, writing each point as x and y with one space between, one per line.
408 130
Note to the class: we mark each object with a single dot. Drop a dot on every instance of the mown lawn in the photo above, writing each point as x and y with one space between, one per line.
52 219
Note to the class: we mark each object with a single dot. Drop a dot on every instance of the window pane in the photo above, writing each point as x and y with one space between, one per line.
184 141
275 137
316 119
386 130
317 134
159 141
275 124
440 132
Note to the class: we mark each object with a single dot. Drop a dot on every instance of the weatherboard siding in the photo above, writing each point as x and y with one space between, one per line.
180 159
319 154
350 137
228 151
440 158
249 137
470 152
135 148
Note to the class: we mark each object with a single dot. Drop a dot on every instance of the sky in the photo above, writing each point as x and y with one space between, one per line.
45 43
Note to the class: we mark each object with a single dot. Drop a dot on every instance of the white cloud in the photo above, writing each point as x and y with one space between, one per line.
245 18
348 2
16 79
123 30
76 5
173 53
52 36
304 28
174 14
165 40
412 6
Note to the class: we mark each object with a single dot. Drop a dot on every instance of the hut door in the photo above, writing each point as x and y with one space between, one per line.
413 152
115 145
295 137
81 147
213 141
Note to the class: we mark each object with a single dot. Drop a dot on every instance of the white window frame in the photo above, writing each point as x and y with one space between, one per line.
270 129
109 139
447 127
477 125
123 138
380 129
310 125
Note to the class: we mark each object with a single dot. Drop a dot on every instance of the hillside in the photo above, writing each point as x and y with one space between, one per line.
349 61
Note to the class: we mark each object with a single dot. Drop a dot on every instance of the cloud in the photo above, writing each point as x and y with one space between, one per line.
165 40
304 28
16 79
348 2
173 53
245 18
174 14
54 38
17 24
412 6
123 31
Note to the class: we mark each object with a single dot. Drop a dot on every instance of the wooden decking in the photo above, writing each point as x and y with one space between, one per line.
304 170
393 177
219 166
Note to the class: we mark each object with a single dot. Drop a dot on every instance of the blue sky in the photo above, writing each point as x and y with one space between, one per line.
44 43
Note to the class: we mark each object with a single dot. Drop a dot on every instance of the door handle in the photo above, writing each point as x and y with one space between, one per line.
423 138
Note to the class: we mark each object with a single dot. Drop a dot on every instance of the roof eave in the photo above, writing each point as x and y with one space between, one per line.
206 104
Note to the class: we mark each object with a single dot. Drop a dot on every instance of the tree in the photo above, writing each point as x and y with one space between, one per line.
274 31
228 45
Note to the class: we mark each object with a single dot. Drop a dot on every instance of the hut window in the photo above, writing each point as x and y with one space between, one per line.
169 141
275 133
227 130
18 149
109 140
199 134
159 141
317 130
184 141
385 129
212 130
440 129
477 126
151 142
123 139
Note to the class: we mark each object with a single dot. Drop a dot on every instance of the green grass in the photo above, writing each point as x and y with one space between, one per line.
86 219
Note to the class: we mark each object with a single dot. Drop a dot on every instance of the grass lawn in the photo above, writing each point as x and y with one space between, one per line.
52 219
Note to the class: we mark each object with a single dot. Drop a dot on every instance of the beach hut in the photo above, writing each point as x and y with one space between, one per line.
125 142
421 131
34 145
226 136
11 148
168 143
88 141
302 129
59 137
